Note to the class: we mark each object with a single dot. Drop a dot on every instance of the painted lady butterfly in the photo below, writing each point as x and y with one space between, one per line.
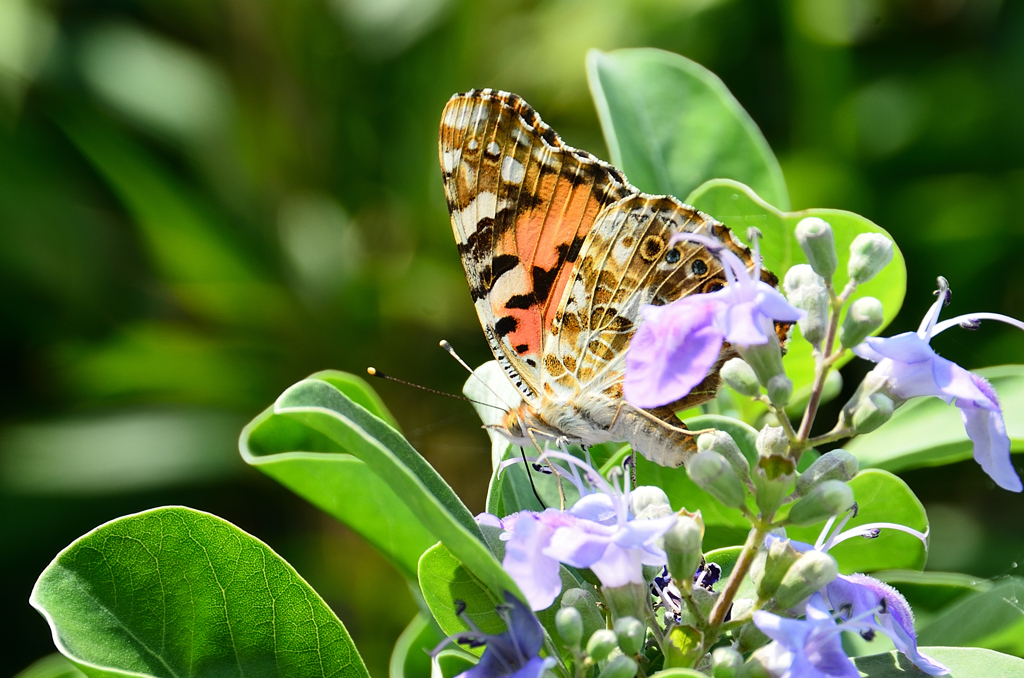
561 252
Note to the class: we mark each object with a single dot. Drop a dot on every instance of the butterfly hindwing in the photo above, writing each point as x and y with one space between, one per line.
522 205
626 264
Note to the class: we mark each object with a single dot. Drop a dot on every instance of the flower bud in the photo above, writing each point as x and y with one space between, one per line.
649 501
620 667
683 549
772 441
872 412
780 390
601 644
806 290
741 378
585 603
812 572
816 240
722 443
764 359
750 638
630 633
569 623
726 662
864 317
781 556
628 600
827 499
869 254
763 663
834 465
712 473
773 480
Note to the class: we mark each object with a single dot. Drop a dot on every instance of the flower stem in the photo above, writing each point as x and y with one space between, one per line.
823 364
739 571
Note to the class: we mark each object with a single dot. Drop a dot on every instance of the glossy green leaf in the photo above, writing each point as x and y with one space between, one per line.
739 207
679 673
173 591
930 591
322 472
963 662
444 580
53 666
411 658
336 419
671 124
882 497
928 432
993 618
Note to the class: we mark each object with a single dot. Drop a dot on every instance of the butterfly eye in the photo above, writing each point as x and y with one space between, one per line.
672 257
699 267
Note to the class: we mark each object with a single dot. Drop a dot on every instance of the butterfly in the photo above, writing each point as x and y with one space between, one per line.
560 254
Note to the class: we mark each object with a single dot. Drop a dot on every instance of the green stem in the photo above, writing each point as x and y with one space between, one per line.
739 571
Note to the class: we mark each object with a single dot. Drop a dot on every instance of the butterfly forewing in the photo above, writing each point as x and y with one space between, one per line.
522 205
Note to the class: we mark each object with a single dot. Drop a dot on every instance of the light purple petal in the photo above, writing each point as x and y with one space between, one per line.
637 533
824 651
904 348
987 431
956 382
619 566
864 350
579 546
489 519
597 507
775 306
790 633
743 324
534 572
910 380
533 668
671 352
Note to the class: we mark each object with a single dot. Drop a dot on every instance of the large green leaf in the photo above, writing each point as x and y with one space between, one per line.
881 497
53 666
931 591
992 618
963 662
739 207
928 432
340 424
319 470
444 580
671 125
173 592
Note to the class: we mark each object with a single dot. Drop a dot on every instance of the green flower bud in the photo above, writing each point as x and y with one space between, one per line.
773 480
760 664
620 667
780 390
585 603
806 290
834 465
872 412
764 359
722 443
683 548
750 638
816 240
864 317
601 644
649 501
781 556
712 473
569 623
726 662
827 499
812 572
772 441
869 254
741 378
629 600
630 633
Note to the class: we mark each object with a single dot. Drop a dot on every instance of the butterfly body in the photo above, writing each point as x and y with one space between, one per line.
561 253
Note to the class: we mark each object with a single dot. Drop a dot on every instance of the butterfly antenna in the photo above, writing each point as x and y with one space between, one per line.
451 351
374 372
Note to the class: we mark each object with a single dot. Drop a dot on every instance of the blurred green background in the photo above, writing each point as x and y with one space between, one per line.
203 201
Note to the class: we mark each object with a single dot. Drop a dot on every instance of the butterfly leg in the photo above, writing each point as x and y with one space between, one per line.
656 434
531 432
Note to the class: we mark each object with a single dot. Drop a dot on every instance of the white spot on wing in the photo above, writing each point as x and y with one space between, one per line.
472 144
512 170
449 159
483 205
493 148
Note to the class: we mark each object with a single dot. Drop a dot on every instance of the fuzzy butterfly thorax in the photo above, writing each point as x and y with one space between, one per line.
561 253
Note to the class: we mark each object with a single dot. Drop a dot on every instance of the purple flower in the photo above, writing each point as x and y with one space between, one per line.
909 368
677 345
598 532
511 654
864 603
806 648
